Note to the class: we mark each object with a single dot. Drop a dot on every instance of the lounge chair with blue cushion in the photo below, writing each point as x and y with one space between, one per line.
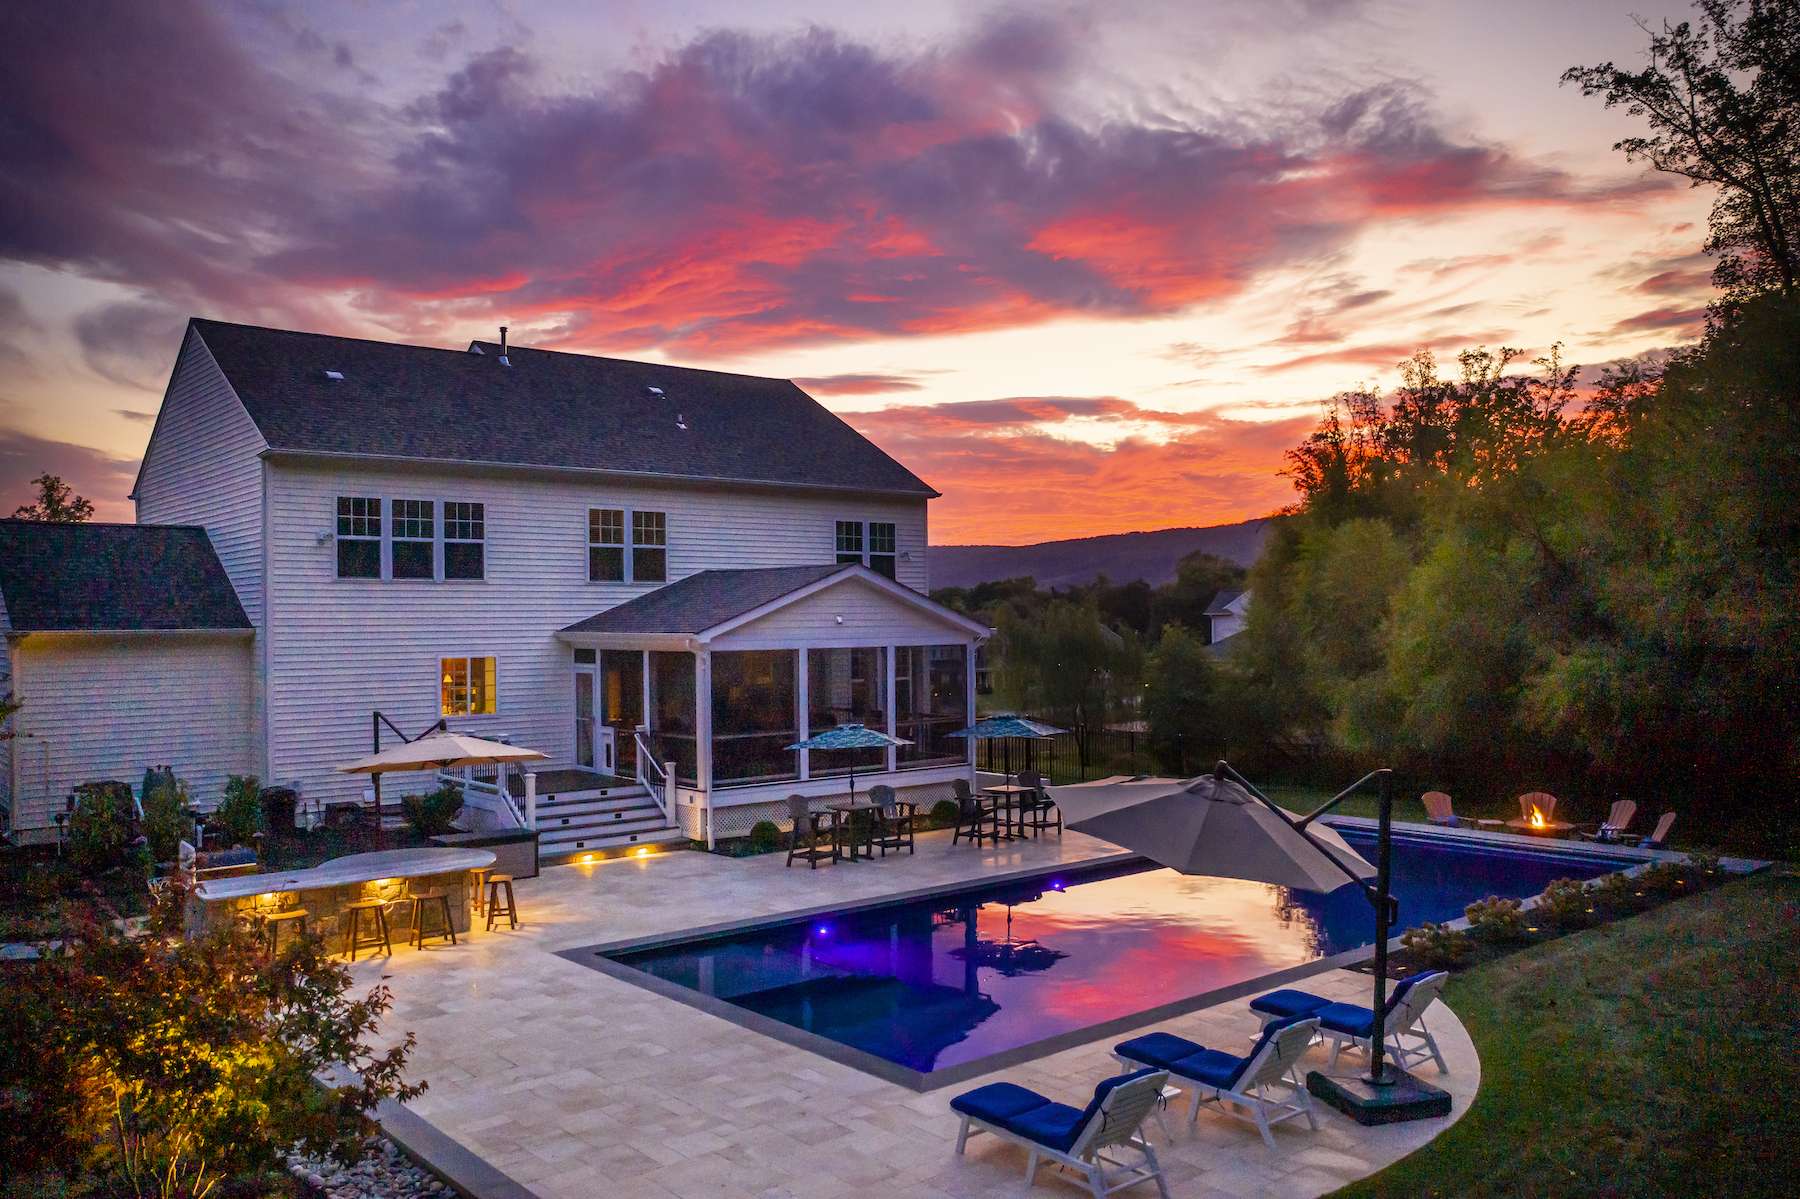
1409 1042
1074 1137
1265 1083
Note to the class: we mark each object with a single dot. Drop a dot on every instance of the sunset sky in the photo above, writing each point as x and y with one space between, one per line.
1086 268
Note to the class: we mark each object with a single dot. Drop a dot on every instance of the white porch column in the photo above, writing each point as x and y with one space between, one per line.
703 763
969 713
531 799
804 702
893 717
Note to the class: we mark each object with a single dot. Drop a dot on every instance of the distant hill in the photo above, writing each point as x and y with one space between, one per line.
1121 557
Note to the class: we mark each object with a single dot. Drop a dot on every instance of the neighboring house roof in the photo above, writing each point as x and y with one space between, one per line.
714 601
1220 604
113 578
547 409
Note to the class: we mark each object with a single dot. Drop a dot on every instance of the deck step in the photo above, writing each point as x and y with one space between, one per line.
644 822
604 808
554 853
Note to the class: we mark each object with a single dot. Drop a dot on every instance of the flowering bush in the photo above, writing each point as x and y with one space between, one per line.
1566 903
1496 919
1435 947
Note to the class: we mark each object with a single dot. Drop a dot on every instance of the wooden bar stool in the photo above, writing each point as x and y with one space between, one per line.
494 908
378 932
438 901
479 876
272 923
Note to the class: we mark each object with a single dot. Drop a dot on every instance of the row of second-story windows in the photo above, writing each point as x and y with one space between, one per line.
418 539
641 557
868 543
431 539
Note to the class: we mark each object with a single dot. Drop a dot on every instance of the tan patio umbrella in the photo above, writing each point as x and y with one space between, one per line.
440 751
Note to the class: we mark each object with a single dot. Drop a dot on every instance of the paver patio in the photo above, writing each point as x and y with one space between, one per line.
577 1084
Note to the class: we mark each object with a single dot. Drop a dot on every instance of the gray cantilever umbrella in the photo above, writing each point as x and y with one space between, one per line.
1209 826
850 736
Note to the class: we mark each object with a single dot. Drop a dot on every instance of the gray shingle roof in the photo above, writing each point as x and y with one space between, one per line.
1220 604
103 578
700 601
547 409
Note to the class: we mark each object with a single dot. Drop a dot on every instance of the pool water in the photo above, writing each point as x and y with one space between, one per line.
945 981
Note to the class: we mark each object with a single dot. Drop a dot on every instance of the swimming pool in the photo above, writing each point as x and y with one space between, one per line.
938 988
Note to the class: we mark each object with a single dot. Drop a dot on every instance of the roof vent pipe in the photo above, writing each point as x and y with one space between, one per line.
504 360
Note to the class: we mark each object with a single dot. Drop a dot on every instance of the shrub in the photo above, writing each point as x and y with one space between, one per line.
1618 893
1566 903
166 818
944 813
1663 879
1496 920
239 814
433 813
100 826
764 836
1436 947
164 1065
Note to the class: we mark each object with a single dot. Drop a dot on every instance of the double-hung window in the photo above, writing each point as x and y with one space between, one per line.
649 547
467 687
606 545
415 539
849 543
465 540
644 558
872 544
358 537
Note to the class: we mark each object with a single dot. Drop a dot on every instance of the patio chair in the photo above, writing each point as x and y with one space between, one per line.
811 838
894 820
1543 801
1618 819
1409 1041
1074 1137
1658 835
1438 809
1264 1084
974 819
1038 812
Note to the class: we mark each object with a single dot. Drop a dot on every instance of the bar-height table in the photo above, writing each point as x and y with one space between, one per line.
1008 797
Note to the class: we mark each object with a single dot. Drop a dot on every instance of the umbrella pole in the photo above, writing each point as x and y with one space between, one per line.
1384 914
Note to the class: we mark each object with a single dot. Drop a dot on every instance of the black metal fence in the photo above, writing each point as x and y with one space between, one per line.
1059 758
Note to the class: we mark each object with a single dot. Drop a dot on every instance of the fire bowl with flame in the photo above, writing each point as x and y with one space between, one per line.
1539 825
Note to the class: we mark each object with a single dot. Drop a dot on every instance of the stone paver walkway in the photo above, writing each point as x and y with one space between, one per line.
577 1084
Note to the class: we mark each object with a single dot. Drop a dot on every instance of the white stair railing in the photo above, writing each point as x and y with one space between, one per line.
658 778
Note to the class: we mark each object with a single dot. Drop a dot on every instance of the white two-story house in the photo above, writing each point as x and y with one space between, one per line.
621 564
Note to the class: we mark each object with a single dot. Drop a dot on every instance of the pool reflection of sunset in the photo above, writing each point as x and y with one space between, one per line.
944 981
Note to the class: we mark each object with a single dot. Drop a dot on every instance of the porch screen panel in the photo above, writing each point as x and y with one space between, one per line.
931 694
753 705
672 712
846 686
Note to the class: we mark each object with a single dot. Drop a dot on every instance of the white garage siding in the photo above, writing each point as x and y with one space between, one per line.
340 648
105 706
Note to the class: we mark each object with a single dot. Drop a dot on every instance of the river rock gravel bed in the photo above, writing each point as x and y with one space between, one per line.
383 1173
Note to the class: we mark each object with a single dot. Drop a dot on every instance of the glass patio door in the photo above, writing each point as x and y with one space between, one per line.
584 716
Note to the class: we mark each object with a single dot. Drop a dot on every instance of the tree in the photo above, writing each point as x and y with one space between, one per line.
1181 700
160 1064
56 503
1198 577
1065 666
1722 99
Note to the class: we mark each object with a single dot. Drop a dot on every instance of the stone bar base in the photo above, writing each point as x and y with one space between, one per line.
326 908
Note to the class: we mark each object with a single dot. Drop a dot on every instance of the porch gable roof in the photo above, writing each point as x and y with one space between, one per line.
712 602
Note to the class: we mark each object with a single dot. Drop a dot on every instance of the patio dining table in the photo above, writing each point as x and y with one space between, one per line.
1009 802
844 837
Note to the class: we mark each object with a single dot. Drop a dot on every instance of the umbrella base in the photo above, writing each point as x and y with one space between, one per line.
1401 1099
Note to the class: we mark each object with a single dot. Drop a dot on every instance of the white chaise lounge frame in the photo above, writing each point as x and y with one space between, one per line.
1409 1041
1268 1091
1117 1123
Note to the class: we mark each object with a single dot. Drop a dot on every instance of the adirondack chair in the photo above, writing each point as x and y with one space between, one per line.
1438 809
1543 801
1618 819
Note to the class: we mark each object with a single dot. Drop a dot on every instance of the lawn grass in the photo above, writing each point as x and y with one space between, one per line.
1652 1056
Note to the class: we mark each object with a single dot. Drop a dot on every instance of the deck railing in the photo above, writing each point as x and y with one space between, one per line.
658 778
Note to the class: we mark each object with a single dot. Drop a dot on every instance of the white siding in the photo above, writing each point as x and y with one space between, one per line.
107 706
870 617
341 648
202 468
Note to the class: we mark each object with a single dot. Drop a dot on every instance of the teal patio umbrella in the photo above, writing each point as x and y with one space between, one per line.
1007 726
850 736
